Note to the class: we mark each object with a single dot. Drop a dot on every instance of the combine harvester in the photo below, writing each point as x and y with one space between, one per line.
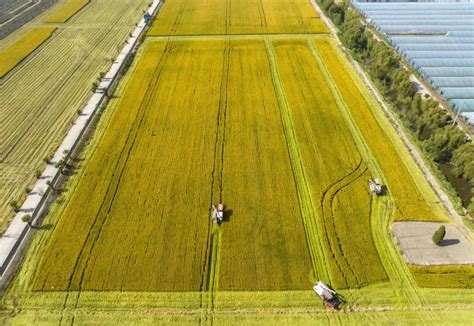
328 295
375 187
218 215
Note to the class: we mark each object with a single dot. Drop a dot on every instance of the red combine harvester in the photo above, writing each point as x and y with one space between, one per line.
328 295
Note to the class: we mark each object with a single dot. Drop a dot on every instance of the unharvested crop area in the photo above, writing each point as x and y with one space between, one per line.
333 166
177 188
13 55
204 17
410 204
41 97
66 11
231 101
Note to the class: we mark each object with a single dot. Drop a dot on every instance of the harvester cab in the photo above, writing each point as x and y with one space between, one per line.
328 295
218 214
375 187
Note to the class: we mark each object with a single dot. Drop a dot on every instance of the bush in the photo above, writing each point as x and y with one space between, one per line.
26 218
439 234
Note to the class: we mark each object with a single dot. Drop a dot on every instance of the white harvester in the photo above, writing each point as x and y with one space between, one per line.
375 186
328 295
218 214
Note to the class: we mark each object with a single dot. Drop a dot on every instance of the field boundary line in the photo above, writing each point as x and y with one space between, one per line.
307 208
36 202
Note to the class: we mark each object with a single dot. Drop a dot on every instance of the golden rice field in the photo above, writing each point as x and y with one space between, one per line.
40 98
205 17
66 11
410 204
277 126
19 51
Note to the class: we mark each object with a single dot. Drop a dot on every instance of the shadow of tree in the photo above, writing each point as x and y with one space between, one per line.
448 242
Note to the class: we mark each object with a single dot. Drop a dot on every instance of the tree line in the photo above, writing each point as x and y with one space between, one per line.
441 140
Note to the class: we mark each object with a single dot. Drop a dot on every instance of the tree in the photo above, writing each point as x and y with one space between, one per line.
27 219
444 142
14 206
463 161
353 33
438 236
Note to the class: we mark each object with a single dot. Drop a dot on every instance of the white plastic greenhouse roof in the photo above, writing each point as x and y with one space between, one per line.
452 81
438 54
437 38
453 62
431 40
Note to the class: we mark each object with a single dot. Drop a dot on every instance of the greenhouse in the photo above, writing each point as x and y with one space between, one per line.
437 38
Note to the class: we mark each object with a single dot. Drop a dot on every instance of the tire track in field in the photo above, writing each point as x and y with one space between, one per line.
327 205
263 18
392 261
210 270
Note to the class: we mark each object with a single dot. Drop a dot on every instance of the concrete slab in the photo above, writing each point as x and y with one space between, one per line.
414 242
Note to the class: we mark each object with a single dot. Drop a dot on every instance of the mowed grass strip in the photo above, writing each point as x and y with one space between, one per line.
263 244
20 50
65 11
449 276
205 17
410 203
333 167
139 217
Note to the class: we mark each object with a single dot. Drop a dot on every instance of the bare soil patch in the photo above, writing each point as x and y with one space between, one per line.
414 241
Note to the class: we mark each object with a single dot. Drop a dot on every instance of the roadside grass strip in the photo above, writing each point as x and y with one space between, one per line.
66 11
20 50
410 204
334 170
182 17
154 162
263 245
447 276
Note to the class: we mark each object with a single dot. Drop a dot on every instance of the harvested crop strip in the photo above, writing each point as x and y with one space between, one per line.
410 203
40 99
182 17
139 217
263 243
17 52
333 168
65 11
